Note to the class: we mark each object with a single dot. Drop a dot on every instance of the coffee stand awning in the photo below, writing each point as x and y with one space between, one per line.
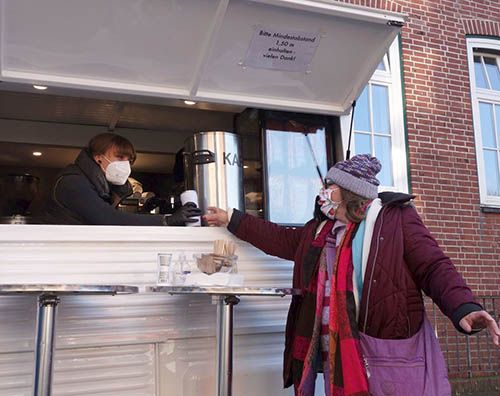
307 56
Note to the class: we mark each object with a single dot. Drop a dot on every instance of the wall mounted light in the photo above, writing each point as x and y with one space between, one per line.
40 87
37 153
189 102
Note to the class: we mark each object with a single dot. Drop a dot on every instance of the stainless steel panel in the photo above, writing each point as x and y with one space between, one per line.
214 168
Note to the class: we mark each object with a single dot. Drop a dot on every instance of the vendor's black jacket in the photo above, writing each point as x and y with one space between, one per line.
82 195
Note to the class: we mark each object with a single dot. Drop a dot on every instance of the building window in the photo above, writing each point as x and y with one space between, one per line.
378 126
293 182
484 69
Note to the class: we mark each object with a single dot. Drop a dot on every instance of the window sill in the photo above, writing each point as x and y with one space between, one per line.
490 209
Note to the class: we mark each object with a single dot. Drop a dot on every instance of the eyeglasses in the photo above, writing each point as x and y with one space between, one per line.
329 189
328 182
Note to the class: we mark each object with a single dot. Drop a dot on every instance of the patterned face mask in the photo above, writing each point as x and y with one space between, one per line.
327 206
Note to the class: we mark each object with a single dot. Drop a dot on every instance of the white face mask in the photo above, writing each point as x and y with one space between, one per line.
327 206
118 172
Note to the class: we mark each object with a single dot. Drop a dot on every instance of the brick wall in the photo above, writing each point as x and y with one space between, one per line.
442 155
441 144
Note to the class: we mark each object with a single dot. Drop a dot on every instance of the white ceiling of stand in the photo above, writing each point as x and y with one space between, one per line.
20 156
46 107
137 119
179 49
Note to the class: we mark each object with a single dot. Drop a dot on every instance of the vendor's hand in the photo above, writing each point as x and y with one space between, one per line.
183 215
216 217
150 204
481 320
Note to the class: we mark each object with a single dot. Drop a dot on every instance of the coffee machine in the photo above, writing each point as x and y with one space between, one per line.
214 168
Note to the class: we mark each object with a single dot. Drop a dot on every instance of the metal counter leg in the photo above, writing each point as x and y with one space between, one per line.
44 344
225 344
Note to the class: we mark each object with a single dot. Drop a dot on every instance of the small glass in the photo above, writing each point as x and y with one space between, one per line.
166 273
182 269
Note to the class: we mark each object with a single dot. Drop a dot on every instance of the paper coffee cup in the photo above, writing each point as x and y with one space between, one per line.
191 196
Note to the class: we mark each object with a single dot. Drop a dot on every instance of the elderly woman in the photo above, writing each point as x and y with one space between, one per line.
362 264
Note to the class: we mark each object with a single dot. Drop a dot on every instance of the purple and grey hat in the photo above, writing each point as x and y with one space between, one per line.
357 175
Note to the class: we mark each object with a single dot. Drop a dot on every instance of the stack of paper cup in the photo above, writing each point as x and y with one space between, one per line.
191 196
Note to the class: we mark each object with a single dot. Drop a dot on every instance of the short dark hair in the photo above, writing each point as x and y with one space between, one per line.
101 143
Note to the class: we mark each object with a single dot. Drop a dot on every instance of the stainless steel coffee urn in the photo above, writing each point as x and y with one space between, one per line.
214 168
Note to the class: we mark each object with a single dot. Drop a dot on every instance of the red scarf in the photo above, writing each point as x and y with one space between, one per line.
348 373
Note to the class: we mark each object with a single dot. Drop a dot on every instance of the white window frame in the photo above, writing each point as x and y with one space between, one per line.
477 95
391 78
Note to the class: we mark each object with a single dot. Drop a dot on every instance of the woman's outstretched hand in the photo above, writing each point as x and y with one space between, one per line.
481 320
216 217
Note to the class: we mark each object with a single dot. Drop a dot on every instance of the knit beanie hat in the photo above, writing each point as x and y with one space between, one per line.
357 175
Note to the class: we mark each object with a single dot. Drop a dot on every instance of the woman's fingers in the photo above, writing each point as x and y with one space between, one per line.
480 320
215 216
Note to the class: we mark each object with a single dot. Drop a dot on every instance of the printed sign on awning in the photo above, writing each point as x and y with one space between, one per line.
281 49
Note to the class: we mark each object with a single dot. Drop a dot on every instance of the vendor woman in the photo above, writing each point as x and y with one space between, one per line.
89 191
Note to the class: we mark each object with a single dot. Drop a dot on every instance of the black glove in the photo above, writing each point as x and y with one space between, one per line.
183 215
150 204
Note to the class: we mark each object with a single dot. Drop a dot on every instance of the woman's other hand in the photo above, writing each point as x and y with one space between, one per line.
481 320
216 217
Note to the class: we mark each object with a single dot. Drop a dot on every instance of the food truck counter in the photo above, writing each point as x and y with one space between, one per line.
143 344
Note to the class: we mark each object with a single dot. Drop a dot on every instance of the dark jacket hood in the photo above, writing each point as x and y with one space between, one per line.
395 198
92 171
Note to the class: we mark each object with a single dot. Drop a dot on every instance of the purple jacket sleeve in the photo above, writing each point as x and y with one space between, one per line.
433 271
269 237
